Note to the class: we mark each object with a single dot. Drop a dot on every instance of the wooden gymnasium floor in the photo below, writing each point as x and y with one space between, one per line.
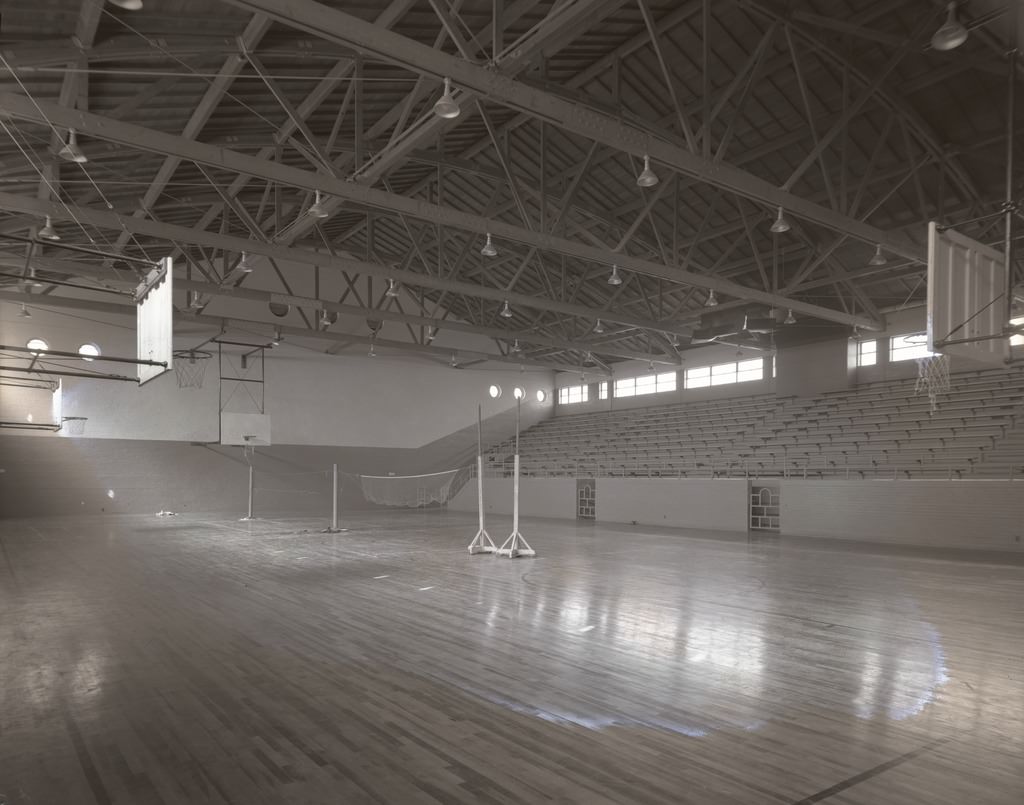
194 660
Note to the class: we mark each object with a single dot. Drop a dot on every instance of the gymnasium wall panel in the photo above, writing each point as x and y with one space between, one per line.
538 497
719 504
960 514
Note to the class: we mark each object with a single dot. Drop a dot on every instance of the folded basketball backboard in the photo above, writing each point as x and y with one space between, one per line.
154 305
247 430
967 304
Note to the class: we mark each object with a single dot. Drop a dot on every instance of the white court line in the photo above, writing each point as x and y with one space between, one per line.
586 629
382 577
425 588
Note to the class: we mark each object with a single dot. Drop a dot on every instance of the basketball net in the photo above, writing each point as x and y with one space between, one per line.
190 368
932 378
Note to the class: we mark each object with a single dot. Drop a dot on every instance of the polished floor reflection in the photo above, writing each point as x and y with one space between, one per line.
193 659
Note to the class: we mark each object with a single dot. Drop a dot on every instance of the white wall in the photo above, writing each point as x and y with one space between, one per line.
394 400
961 514
719 504
538 497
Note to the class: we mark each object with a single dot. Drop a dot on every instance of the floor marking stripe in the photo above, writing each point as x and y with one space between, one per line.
586 629
382 577
872 772
425 588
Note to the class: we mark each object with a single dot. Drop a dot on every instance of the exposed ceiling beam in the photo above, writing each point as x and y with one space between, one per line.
308 257
184 148
337 26
461 354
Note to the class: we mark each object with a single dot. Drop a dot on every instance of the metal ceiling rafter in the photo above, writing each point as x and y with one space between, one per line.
337 26
172 233
183 148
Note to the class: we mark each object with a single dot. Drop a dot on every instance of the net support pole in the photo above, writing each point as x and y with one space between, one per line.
249 515
516 544
334 505
482 542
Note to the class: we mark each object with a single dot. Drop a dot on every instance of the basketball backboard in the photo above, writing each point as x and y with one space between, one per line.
154 301
967 304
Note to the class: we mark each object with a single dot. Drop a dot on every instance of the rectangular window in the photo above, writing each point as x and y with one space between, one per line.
570 395
908 347
646 384
1017 340
602 390
698 378
867 353
749 370
723 373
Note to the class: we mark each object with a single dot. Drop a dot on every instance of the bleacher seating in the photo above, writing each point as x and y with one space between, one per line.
883 429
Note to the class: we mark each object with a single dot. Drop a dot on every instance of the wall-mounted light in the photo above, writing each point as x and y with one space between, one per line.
494 391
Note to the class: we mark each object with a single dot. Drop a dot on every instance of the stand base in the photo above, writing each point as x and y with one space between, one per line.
247 519
333 530
482 543
515 546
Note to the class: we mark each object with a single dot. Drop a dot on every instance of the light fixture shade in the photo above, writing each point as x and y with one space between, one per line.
278 338
243 265
371 353
127 5
316 209
494 390
515 346
454 362
325 319
780 224
48 231
489 250
599 327
541 395
446 105
712 300
614 278
23 313
790 318
506 311
878 259
89 351
952 33
647 177
71 152
32 281
392 290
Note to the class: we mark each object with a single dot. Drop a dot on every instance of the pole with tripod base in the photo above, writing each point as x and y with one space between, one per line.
516 544
482 542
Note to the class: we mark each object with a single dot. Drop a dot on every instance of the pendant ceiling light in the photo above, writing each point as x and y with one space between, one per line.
325 319
244 265
614 278
515 346
71 152
598 328
392 290
712 300
952 33
371 353
647 177
489 250
23 313
790 318
446 106
506 311
877 259
127 5
48 231
780 224
316 209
